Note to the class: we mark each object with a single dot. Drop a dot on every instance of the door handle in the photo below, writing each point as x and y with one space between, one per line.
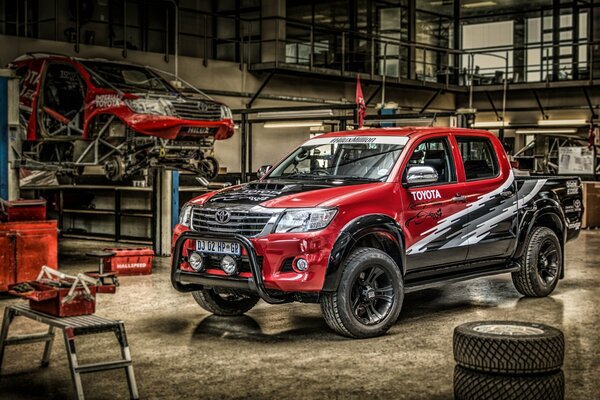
506 193
459 199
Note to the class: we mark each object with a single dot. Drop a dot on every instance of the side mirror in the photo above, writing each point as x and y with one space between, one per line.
262 171
420 175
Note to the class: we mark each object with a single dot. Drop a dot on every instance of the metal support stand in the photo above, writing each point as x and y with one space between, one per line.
71 328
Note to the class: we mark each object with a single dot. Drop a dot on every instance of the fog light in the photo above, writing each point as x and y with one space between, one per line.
196 261
301 264
229 265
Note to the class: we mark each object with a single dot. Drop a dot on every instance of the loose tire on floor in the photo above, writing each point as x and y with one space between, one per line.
508 347
471 385
369 297
541 264
224 304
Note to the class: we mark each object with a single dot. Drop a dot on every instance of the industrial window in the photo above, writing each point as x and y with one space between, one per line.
479 158
435 153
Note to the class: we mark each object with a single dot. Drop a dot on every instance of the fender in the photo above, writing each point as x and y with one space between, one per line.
548 212
380 225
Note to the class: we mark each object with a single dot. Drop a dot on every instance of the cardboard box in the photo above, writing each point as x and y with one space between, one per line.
591 205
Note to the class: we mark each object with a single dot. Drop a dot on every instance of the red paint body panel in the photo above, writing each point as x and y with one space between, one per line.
388 198
25 248
164 127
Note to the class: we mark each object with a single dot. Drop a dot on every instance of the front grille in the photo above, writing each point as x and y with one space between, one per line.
198 110
244 223
213 261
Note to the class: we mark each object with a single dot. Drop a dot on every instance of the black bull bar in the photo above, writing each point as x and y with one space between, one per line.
198 281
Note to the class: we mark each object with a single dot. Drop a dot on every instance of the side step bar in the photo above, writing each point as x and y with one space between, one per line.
437 280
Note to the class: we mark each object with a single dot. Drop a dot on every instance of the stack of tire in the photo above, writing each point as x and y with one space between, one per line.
508 360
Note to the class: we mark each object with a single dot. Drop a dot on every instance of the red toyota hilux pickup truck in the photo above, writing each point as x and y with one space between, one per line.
354 220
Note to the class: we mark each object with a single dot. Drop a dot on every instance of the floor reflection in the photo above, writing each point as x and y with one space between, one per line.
244 327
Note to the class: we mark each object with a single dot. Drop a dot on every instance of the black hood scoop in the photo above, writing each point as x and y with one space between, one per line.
258 192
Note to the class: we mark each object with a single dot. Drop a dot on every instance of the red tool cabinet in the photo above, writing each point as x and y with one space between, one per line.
24 248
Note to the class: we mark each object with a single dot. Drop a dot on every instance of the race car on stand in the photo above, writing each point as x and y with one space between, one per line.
121 116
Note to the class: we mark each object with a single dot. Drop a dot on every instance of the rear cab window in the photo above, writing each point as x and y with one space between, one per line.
479 158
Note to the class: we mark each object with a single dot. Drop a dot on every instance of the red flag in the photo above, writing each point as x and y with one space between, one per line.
360 102
592 136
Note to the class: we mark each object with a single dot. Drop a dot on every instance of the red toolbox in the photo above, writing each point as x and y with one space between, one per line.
129 261
24 248
22 210
51 300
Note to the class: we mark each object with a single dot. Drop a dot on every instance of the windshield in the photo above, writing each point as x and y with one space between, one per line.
129 78
359 158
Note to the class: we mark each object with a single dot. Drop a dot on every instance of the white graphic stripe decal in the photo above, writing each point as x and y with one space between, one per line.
483 224
445 224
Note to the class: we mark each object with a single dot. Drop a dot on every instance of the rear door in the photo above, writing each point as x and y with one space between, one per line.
491 196
428 210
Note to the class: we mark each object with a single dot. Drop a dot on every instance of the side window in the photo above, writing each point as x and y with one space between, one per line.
64 91
478 157
435 153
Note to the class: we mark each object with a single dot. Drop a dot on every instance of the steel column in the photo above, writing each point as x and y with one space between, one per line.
4 149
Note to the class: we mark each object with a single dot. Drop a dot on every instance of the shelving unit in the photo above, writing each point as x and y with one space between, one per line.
125 208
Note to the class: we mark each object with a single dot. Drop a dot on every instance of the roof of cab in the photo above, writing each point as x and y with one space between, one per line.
411 131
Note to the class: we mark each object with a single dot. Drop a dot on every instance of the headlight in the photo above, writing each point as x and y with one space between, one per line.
185 216
226 113
304 220
151 106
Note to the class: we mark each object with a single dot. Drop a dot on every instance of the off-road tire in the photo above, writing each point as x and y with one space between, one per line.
540 350
471 385
336 306
527 279
224 305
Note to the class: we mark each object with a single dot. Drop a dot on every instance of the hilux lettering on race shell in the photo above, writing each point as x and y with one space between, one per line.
426 194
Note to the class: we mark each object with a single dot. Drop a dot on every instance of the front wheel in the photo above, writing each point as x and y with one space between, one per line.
540 265
369 297
225 303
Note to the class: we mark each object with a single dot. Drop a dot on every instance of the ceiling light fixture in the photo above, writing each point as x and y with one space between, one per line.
490 124
480 4
562 122
544 131
293 124
299 113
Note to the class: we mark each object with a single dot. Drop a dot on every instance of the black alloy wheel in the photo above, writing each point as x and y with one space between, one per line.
540 264
372 295
369 296
548 262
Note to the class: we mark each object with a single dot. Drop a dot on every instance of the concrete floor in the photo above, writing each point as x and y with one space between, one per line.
277 352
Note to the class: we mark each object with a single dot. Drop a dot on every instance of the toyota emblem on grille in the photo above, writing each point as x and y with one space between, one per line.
202 106
223 216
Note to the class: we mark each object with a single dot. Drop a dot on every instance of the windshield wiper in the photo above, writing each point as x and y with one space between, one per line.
357 178
304 175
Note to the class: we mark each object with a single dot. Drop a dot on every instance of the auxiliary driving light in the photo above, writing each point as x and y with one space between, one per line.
229 265
196 261
301 264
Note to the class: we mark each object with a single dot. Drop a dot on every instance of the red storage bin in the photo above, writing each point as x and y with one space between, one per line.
24 248
49 300
129 261
22 210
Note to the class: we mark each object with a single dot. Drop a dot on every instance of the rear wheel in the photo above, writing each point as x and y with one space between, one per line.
369 297
225 303
540 265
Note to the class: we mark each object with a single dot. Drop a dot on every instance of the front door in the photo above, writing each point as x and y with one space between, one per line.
430 212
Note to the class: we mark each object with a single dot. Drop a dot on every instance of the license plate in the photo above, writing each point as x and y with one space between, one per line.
218 247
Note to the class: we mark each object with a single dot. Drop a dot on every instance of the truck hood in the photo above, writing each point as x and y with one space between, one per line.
288 193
